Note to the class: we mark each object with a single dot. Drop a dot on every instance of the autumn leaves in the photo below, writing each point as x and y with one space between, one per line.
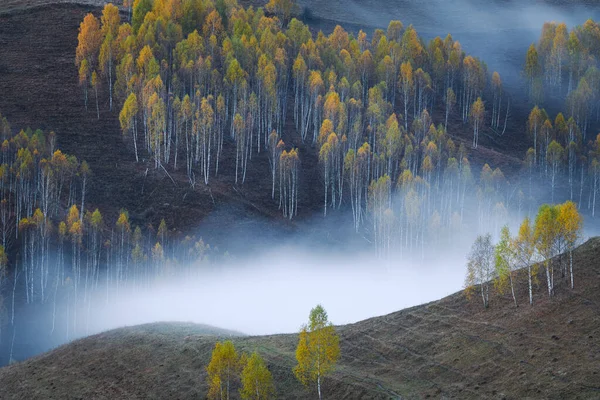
318 350
317 353
194 76
562 69
97 51
196 80
226 368
547 242
186 74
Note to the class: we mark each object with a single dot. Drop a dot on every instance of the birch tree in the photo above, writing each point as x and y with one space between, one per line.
318 350
89 40
108 50
554 158
477 114
128 120
571 225
289 164
450 101
546 233
406 85
276 147
533 70
222 370
497 100
505 263
534 124
257 381
480 267
524 249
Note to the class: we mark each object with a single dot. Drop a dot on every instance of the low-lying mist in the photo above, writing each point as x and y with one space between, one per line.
268 289
273 292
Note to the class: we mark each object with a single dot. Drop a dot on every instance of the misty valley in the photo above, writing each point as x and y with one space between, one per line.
262 199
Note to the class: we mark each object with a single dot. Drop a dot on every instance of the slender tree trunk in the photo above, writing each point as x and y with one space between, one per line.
512 288
571 266
548 278
97 105
319 386
110 85
483 296
530 286
16 276
135 140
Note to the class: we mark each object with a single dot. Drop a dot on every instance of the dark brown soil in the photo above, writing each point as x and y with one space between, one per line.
38 86
451 348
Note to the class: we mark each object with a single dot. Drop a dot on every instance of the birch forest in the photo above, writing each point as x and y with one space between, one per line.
391 123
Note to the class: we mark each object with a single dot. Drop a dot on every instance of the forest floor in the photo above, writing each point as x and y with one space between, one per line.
38 89
451 348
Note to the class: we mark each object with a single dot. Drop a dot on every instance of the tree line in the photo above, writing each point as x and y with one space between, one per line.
218 74
192 76
56 253
546 242
564 65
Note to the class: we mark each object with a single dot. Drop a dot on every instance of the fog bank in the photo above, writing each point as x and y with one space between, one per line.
273 293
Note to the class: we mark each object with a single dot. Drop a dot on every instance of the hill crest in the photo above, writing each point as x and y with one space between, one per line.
446 348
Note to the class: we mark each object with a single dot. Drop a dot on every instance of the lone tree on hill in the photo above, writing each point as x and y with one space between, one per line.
318 349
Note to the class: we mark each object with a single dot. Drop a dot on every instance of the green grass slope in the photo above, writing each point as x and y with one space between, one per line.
451 348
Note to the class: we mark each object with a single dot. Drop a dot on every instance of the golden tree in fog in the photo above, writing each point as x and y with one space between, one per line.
318 349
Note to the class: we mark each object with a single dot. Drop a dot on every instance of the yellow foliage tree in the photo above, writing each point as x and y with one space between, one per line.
571 225
505 263
222 369
477 114
257 382
127 118
89 41
546 233
318 349
524 249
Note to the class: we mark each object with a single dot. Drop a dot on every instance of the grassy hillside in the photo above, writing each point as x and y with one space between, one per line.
449 348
